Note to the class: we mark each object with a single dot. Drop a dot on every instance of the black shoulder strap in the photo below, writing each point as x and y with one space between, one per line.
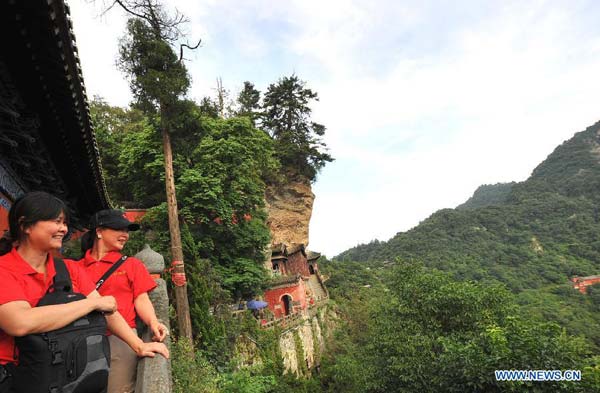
62 279
110 271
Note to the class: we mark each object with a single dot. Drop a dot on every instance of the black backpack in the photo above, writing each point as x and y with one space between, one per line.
72 359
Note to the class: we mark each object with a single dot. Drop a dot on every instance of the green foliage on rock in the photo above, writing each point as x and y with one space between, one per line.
286 117
488 195
192 372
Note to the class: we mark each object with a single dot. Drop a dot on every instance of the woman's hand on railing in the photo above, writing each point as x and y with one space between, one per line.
151 349
159 332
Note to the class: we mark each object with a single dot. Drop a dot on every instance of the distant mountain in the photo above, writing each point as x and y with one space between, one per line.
533 236
556 211
488 195
557 208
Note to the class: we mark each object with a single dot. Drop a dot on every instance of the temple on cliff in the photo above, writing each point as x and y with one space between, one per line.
297 283
46 138
582 283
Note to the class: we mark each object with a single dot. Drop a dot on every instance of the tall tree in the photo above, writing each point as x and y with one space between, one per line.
159 80
287 118
249 102
209 108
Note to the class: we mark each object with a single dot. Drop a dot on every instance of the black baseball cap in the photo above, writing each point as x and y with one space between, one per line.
113 219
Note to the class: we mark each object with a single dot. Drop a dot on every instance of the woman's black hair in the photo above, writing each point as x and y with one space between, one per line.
26 211
87 240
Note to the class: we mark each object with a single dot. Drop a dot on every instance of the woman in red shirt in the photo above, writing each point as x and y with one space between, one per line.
129 284
37 226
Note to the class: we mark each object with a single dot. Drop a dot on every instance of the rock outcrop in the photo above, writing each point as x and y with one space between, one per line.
289 207
302 356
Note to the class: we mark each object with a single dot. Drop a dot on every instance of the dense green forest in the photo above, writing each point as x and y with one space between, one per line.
492 271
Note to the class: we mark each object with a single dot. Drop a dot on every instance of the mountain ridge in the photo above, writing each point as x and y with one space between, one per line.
533 239
544 231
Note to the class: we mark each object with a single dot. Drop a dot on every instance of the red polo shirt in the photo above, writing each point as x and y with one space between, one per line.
19 281
129 281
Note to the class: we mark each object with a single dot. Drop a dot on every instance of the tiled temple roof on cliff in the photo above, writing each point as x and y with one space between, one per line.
312 256
282 251
278 251
46 137
586 278
284 281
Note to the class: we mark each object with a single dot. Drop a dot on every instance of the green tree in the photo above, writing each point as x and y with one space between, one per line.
208 107
249 102
158 80
222 195
423 331
286 117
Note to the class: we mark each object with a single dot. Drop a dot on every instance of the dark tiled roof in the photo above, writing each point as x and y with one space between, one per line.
577 279
311 255
40 61
284 281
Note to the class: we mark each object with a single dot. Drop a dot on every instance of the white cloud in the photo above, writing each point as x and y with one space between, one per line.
97 44
422 101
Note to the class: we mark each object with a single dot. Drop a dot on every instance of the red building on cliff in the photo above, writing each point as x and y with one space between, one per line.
297 283
581 283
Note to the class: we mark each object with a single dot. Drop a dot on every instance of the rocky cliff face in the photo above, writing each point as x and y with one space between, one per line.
289 207
302 347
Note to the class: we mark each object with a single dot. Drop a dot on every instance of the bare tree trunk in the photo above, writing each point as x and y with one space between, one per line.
181 300
221 97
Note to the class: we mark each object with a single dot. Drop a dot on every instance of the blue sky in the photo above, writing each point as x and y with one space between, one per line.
423 100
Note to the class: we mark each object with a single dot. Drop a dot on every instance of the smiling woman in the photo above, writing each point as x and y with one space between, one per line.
129 284
38 223
38 219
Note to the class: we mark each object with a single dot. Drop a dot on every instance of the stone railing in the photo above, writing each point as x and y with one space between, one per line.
154 374
322 282
287 321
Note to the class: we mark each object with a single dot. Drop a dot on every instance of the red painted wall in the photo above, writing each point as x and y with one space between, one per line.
274 298
298 264
581 285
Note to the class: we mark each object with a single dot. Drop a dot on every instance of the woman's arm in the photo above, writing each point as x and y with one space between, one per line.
120 328
145 310
18 318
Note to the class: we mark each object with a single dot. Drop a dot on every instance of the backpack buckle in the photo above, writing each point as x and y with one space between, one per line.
57 357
